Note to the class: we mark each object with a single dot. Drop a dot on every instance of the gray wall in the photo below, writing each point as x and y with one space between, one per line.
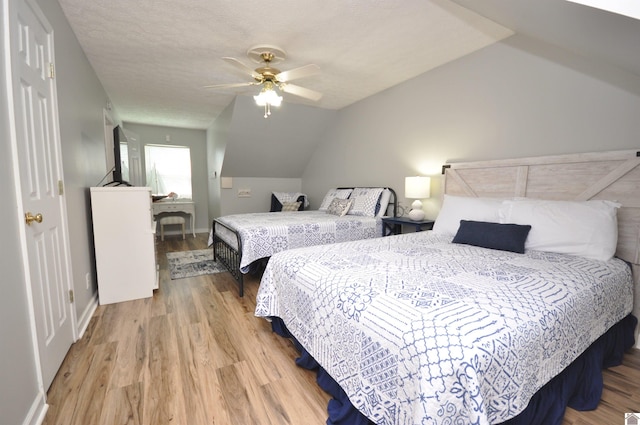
516 98
196 140
279 146
260 199
263 155
18 381
217 136
513 99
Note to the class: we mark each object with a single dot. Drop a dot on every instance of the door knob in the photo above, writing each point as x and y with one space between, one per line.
30 218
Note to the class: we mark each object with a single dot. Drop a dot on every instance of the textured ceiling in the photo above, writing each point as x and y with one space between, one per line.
153 57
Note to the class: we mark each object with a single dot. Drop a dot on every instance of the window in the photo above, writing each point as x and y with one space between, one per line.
168 169
124 161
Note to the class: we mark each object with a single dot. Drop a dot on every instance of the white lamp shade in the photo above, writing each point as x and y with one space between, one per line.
268 96
417 187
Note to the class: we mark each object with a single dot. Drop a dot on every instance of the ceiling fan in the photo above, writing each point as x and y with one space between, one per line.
271 78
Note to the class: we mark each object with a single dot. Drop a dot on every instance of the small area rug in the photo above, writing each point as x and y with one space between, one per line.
193 263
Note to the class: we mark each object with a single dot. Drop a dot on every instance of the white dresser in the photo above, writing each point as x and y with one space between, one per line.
124 239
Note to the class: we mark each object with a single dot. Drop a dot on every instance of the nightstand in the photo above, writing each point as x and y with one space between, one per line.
393 225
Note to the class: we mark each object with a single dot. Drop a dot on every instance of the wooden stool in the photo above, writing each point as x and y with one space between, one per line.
171 219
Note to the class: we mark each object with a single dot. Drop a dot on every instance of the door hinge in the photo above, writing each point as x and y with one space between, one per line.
60 187
52 70
70 296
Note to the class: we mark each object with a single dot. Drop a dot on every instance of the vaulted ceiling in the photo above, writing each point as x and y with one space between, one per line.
595 34
153 57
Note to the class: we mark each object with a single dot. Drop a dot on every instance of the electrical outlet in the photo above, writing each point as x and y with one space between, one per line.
244 193
87 279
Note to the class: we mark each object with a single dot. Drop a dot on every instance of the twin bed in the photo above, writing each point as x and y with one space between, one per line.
415 329
242 241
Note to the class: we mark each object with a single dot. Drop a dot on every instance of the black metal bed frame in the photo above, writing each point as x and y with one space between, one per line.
230 257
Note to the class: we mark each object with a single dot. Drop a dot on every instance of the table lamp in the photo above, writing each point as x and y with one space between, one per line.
417 188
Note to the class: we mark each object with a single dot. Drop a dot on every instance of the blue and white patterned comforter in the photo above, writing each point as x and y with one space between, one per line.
417 330
264 234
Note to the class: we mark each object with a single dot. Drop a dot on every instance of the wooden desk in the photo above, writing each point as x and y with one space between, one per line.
175 207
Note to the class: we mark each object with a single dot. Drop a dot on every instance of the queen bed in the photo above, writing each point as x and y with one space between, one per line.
243 241
504 317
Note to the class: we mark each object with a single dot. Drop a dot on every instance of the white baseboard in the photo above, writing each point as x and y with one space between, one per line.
38 410
87 314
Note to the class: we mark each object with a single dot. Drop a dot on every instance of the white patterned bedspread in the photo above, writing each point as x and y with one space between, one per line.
417 330
264 234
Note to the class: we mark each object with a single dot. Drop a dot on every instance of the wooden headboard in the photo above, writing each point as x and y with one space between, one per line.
613 175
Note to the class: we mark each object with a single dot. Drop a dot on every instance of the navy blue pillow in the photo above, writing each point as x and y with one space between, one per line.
505 237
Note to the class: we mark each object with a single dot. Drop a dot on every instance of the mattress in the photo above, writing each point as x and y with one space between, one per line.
418 330
264 234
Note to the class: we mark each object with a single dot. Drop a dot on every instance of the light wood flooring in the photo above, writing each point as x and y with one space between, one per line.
195 354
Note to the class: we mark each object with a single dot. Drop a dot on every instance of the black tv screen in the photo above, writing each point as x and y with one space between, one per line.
119 139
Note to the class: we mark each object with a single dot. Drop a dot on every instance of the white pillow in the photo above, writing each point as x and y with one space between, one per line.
331 194
587 229
456 208
365 200
290 197
384 202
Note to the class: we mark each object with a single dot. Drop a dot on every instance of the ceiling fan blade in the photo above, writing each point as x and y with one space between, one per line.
301 91
229 86
242 67
294 74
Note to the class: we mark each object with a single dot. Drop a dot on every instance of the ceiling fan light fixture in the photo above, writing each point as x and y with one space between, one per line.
268 97
272 78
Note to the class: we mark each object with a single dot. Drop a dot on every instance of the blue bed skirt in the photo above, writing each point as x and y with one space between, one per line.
579 386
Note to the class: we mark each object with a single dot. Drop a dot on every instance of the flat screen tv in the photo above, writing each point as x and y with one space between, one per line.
120 173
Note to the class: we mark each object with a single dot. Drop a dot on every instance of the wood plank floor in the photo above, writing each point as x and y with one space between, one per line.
195 354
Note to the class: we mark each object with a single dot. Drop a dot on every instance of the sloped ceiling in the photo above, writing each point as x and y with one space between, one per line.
280 146
593 33
153 57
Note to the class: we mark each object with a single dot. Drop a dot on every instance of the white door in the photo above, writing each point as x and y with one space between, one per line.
36 141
